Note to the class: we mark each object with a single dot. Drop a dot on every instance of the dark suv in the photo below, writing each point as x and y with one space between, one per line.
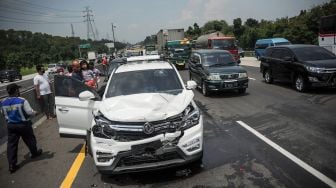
303 65
9 75
216 70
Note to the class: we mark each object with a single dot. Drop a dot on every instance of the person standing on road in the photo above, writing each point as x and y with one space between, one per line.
17 111
105 65
43 92
76 70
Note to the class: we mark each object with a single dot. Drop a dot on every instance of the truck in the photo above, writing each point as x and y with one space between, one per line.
165 35
218 40
178 52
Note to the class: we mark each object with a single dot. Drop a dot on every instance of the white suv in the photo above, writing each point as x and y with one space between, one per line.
146 118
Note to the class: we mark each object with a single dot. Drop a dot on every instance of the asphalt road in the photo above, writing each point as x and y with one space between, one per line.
301 123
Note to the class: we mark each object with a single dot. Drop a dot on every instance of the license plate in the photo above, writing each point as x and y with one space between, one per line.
180 63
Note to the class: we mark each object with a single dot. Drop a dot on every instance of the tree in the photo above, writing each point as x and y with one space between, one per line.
250 22
190 31
197 30
238 29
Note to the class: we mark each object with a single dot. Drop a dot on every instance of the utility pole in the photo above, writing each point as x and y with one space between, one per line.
113 36
113 26
89 19
72 31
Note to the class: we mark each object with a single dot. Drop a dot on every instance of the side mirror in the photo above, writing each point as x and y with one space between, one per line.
191 84
238 61
86 95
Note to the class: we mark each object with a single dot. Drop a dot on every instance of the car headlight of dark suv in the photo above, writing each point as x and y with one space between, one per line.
314 69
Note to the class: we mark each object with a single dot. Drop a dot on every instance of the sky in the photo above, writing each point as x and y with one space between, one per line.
136 19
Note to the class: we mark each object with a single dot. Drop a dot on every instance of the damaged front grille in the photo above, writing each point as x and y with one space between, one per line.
133 160
147 153
131 131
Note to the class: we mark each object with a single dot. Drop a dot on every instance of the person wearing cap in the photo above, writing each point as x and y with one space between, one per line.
43 92
17 111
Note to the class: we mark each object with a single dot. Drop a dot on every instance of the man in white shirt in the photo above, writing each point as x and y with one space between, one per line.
43 92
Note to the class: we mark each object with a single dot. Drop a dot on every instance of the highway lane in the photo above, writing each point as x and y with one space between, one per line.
301 123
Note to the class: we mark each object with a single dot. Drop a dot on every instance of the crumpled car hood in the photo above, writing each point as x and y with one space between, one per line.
145 106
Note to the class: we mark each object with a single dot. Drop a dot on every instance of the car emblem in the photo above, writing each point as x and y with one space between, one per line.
148 128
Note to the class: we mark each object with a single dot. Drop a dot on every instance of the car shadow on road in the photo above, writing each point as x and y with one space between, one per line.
315 91
76 149
227 94
153 177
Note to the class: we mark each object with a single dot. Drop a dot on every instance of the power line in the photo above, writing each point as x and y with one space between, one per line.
25 22
29 14
44 7
32 21
24 9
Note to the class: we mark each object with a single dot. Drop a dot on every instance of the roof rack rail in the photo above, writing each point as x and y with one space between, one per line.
143 58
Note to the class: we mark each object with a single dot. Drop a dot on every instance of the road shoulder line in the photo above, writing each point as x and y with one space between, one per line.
292 157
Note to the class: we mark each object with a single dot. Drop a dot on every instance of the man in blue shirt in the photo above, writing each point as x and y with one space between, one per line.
17 111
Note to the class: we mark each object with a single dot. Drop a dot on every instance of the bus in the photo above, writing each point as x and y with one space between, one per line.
262 44
327 33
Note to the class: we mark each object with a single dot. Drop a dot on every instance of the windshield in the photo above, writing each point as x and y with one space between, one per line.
220 59
144 81
226 44
313 53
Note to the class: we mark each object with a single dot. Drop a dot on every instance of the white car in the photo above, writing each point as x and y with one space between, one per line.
52 68
146 118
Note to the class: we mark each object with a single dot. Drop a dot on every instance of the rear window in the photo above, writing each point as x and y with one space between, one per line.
313 53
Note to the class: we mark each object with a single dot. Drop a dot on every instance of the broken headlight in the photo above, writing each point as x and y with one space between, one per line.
102 128
191 116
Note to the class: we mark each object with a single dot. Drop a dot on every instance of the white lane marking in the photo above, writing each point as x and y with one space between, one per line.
293 158
252 78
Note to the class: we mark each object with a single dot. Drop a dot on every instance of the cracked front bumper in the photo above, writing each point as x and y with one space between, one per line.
158 152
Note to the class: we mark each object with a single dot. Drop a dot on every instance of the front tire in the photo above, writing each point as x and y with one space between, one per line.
268 77
242 91
300 83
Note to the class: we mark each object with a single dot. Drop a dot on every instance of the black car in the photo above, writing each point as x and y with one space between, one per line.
9 75
303 65
216 70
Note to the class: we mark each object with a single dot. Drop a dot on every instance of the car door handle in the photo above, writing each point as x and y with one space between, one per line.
63 109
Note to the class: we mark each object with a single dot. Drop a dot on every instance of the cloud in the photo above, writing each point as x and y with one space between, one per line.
189 14
133 26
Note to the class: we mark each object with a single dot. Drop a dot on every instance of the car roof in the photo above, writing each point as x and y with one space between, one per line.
210 51
143 65
293 46
275 40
